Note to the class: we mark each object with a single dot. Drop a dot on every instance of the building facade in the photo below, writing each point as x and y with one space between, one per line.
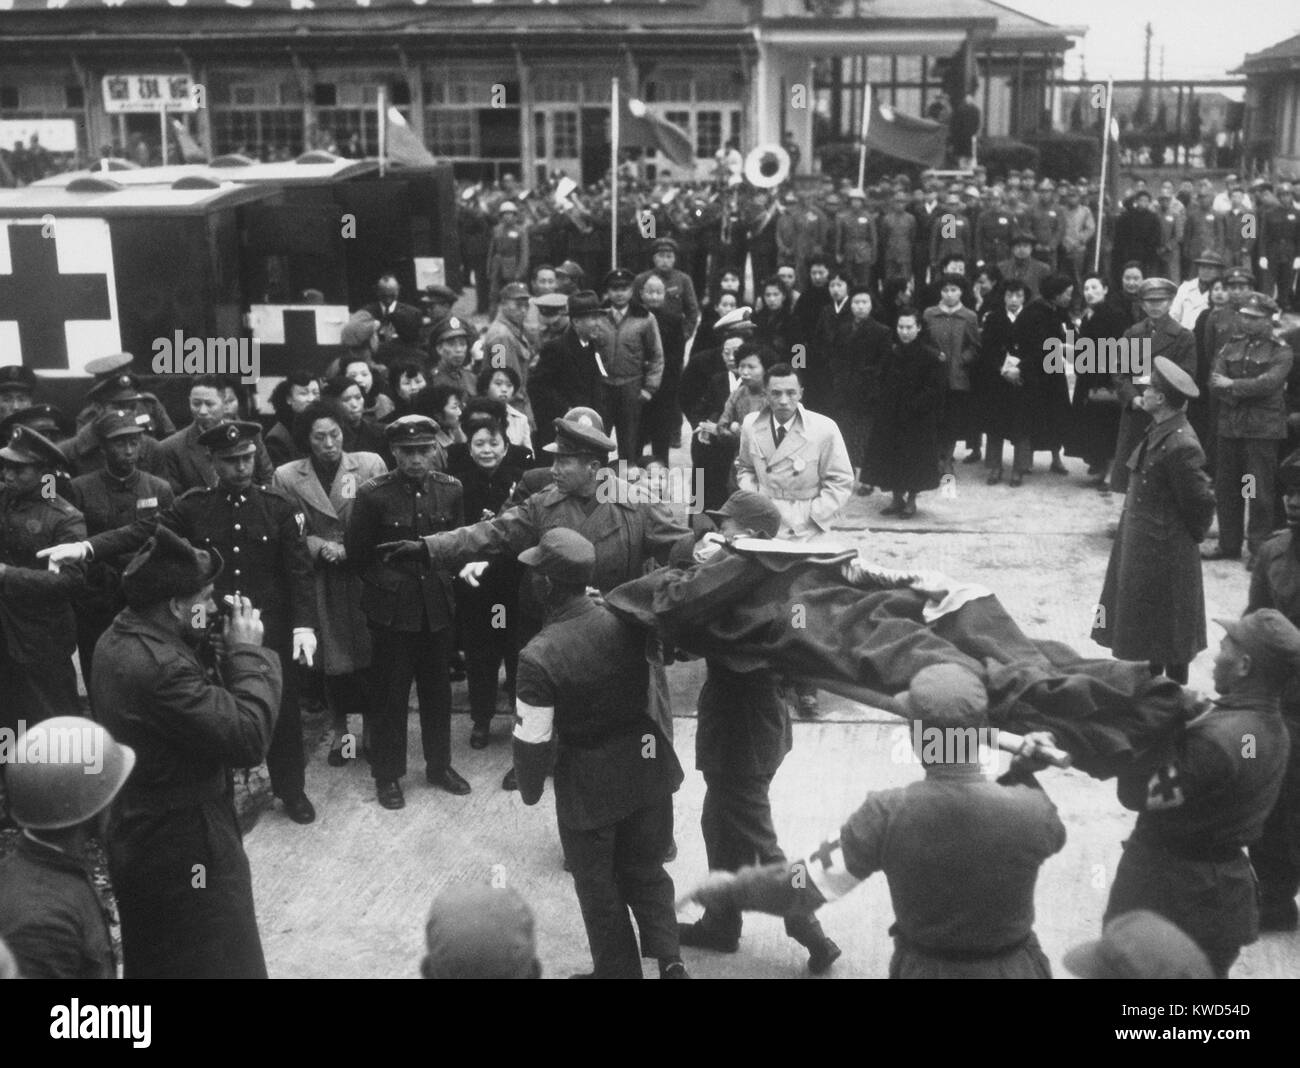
503 85
1273 106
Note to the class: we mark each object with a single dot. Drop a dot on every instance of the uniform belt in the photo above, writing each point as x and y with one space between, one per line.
169 798
954 954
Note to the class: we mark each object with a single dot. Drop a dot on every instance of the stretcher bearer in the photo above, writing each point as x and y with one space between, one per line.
961 853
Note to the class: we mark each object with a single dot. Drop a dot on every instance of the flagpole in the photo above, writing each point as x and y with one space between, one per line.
162 126
1105 160
383 130
613 173
862 149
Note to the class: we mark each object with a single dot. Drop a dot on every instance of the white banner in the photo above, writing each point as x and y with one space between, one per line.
149 93
55 135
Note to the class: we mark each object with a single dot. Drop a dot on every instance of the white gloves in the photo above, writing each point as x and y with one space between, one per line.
472 572
72 552
304 645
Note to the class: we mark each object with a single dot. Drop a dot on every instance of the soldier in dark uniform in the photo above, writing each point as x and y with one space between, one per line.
961 853
742 735
115 496
680 298
1208 793
584 685
17 385
1280 240
175 851
118 393
261 534
51 914
1275 583
410 606
106 368
1248 379
37 628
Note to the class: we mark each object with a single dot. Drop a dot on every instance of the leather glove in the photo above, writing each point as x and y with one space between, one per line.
304 645
392 551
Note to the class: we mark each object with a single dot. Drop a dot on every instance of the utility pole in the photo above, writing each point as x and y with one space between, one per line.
1144 113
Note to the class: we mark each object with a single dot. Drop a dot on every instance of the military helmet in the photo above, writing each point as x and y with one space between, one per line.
65 770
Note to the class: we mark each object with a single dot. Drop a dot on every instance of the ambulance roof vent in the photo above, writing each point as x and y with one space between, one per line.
318 157
196 181
94 184
232 159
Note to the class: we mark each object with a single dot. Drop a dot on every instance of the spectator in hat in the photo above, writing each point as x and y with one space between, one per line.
37 626
1164 338
488 468
1248 380
359 336
106 368
1139 945
572 369
409 607
506 342
1152 604
1205 795
1137 234
961 853
117 494
635 365
17 384
569 278
480 932
450 345
185 462
152 691
1023 266
50 913
1193 296
679 290
507 258
386 307
437 301
552 317
1280 243
45 419
117 392
542 281
1274 584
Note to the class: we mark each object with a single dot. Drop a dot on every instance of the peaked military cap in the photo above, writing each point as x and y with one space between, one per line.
231 439
27 446
411 430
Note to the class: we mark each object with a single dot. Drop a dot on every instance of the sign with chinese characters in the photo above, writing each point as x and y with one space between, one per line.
149 93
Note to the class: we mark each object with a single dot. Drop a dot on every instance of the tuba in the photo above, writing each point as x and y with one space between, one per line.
767 166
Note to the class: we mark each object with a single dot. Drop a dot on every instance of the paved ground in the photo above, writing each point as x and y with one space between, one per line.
347 896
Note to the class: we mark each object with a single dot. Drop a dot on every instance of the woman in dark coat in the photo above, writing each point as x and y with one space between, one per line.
772 319
291 395
661 418
857 350
488 468
903 447
1095 408
1152 603
1047 392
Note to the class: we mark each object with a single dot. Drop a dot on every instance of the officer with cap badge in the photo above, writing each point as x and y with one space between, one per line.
189 723
106 368
17 384
114 496
1248 380
1275 583
1207 793
437 302
117 392
409 605
45 419
51 915
1152 604
37 628
961 853
584 684
261 535
1156 335
552 317
450 345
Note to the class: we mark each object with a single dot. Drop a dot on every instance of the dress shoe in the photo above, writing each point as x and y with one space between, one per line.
909 510
1218 552
336 759
995 476
1016 480
973 457
300 809
390 794
510 781
892 508
447 779
673 969
822 956
1058 468
697 936
479 736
